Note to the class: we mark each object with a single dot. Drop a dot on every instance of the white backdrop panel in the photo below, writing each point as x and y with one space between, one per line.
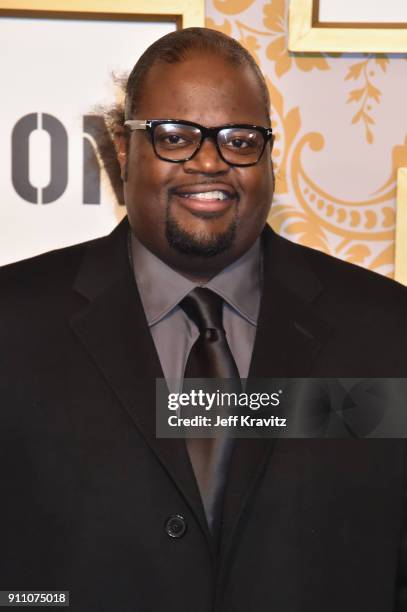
61 68
375 11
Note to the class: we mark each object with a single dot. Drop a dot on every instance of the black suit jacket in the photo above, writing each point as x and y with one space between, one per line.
86 488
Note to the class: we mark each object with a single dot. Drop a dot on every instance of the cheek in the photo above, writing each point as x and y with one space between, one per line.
255 206
258 188
146 192
146 177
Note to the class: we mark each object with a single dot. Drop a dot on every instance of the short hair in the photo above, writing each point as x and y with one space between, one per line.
175 47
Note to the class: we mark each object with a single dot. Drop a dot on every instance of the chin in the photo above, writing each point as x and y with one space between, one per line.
199 244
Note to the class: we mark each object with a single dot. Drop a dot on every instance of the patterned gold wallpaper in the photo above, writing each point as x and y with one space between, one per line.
341 133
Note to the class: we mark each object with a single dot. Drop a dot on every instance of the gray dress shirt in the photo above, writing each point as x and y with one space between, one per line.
161 290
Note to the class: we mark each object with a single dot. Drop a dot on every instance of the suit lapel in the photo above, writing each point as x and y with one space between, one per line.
114 330
290 331
289 337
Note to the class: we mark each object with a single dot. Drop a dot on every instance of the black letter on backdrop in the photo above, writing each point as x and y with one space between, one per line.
97 137
59 159
20 158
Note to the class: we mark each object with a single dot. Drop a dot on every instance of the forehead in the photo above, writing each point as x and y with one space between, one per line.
203 88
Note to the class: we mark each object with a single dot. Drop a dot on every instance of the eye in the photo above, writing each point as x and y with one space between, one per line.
170 136
174 139
241 141
238 143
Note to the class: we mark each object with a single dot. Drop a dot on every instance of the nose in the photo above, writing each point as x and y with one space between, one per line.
207 160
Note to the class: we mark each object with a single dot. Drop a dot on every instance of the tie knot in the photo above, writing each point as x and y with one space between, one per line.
204 308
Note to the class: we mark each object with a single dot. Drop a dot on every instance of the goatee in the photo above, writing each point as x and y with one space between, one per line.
199 244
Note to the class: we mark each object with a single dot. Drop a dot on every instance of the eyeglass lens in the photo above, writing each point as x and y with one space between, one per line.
177 142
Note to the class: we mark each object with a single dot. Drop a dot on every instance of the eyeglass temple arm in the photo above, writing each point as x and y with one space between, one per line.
137 124
143 124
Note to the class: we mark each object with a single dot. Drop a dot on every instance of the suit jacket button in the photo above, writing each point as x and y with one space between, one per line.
175 526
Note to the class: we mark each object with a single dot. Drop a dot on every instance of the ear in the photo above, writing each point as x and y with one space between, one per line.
121 143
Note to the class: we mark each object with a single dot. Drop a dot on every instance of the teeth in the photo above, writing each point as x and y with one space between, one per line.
207 195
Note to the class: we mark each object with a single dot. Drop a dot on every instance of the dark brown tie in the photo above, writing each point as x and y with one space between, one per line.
210 357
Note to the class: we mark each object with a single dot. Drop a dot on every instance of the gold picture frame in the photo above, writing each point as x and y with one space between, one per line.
185 13
308 34
400 269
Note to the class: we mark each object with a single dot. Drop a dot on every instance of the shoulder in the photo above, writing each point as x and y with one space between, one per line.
346 283
50 272
37 295
36 274
41 295
45 285
361 315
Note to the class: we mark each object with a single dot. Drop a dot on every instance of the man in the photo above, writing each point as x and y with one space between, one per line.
92 501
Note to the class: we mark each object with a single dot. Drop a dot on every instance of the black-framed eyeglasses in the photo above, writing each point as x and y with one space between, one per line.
175 140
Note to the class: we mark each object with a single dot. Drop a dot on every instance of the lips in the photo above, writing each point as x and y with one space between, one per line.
206 198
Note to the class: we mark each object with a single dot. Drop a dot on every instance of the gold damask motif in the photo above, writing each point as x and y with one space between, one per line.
225 27
399 160
370 219
360 231
352 223
367 93
248 38
316 214
232 7
285 126
275 19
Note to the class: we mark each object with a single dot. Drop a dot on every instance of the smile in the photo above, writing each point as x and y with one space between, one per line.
207 195
207 204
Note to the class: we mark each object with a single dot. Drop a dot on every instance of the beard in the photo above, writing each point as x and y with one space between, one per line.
198 244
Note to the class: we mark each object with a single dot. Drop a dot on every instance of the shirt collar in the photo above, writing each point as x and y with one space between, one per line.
161 288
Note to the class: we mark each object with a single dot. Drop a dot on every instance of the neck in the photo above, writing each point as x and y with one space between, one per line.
200 269
196 277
